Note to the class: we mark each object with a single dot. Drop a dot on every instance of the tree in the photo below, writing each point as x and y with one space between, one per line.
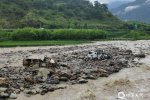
97 4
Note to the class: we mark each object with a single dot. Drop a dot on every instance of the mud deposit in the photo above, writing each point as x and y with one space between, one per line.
103 78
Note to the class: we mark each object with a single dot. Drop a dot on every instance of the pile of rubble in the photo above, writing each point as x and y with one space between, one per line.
41 75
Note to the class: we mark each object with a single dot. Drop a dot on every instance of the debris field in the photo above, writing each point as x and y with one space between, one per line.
42 74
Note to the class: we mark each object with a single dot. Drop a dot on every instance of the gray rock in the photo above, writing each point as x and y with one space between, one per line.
64 79
22 88
4 95
82 81
141 55
51 89
44 91
38 90
28 92
90 77
13 96
52 81
63 64
2 89
34 91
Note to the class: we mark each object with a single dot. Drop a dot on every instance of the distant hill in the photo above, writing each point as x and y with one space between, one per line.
116 4
138 10
52 13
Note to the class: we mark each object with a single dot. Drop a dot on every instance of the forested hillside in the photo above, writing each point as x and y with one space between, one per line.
53 14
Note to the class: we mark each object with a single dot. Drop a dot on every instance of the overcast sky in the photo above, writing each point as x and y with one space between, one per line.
109 1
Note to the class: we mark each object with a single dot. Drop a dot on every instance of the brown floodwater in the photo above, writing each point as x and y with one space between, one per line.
128 84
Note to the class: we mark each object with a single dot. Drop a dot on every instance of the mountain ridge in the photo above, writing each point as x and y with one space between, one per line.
134 11
52 13
116 4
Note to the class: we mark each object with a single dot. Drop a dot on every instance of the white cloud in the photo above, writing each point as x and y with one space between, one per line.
109 1
147 2
130 8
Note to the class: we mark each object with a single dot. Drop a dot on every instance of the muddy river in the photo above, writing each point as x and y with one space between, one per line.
128 84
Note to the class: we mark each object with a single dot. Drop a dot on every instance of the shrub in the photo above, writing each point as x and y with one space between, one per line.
136 35
58 34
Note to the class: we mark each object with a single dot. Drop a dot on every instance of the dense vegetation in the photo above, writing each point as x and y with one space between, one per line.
32 34
55 34
53 14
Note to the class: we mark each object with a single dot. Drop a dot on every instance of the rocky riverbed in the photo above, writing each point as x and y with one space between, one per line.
73 69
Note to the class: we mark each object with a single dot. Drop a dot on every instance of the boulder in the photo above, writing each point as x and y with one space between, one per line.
64 79
82 81
63 64
29 79
30 92
43 72
38 90
13 96
141 55
103 73
4 95
2 89
3 81
90 77
65 74
51 89
22 88
34 91
44 91
53 80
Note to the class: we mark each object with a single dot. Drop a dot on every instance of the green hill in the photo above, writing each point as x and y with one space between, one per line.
54 14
